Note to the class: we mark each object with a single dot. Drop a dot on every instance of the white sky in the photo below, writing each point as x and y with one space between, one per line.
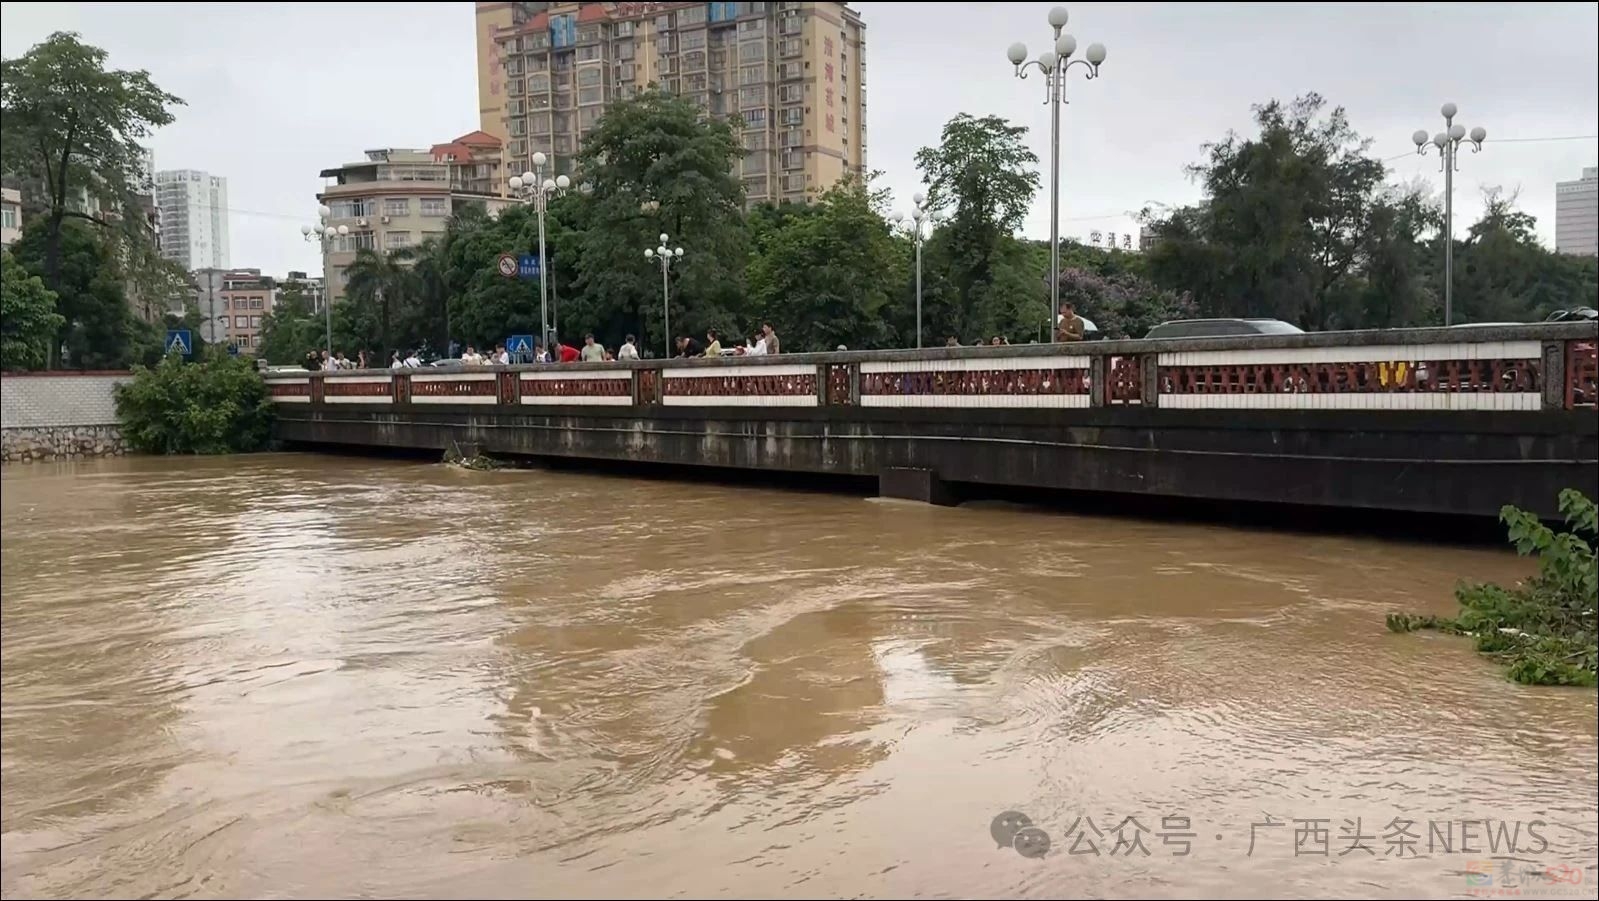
277 91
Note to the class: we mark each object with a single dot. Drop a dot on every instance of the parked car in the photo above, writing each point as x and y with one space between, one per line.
1218 328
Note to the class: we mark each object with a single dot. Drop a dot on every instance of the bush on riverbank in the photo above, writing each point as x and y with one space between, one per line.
216 405
1545 628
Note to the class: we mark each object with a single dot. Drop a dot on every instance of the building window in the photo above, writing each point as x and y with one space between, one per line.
791 93
752 26
539 41
255 303
225 321
692 15
755 186
752 96
625 72
791 159
786 71
588 33
435 206
518 127
753 118
588 53
349 209
538 84
791 137
538 101
789 47
538 123
663 22
591 95
397 206
755 141
793 183
589 115
752 52
752 75
692 40
394 240
755 164
513 66
563 144
624 50
793 116
255 322
588 78
624 29
513 87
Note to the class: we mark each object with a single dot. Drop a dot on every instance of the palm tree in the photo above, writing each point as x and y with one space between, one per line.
379 287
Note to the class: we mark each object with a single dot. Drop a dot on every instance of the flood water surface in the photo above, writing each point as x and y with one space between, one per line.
290 676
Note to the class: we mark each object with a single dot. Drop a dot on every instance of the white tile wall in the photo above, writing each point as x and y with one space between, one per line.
33 401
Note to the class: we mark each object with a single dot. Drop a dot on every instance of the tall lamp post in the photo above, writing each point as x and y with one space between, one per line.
533 186
920 215
665 257
1053 64
324 234
1448 144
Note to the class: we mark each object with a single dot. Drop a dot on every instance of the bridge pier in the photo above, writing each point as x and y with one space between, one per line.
910 484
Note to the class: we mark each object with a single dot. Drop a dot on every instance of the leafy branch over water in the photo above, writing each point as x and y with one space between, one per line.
1545 628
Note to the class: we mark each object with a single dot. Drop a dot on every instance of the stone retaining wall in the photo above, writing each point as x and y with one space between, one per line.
60 415
27 445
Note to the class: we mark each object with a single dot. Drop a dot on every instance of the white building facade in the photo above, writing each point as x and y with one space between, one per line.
1577 214
194 218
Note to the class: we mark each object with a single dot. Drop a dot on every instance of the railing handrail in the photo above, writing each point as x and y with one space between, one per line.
1419 337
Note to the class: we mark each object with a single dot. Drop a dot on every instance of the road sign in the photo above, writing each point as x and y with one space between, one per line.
519 344
507 265
180 341
528 266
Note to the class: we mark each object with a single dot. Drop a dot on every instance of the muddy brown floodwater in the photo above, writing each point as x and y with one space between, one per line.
295 676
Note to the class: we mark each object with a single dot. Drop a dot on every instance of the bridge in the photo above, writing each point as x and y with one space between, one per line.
1448 420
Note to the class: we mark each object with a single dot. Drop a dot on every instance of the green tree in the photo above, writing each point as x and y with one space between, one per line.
1285 223
29 323
829 276
98 329
1503 273
74 126
1122 305
655 165
983 176
216 405
291 328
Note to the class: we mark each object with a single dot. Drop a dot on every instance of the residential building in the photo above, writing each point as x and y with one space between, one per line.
477 164
793 75
311 288
1577 214
194 218
10 216
232 303
398 198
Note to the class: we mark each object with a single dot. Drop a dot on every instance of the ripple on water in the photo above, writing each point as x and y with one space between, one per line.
296 676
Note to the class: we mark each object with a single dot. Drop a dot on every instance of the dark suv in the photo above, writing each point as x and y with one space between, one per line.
1222 328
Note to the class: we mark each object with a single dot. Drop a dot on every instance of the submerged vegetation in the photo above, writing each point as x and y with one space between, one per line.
1545 628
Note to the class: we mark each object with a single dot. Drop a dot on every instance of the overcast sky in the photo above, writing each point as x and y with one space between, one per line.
277 91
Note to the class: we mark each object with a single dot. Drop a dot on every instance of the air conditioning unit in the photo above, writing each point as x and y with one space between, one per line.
385 220
361 223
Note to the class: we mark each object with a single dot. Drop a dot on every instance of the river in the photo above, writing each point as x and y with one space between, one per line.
287 676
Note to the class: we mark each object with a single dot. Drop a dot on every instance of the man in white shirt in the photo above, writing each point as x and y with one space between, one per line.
501 355
627 351
412 361
471 357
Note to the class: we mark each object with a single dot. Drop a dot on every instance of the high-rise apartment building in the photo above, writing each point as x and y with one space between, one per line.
194 218
792 73
1577 214
398 198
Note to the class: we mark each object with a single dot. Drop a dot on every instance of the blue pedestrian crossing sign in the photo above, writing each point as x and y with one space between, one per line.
519 344
180 341
527 266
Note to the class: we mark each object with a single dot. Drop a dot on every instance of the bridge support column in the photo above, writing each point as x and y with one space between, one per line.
914 485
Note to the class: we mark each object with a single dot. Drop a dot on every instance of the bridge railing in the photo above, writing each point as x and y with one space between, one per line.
1506 368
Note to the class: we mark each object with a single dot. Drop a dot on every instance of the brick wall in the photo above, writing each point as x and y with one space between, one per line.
59 399
59 415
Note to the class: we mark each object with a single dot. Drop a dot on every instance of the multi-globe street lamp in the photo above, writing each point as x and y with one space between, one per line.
665 256
1053 64
920 215
535 187
1448 144
324 234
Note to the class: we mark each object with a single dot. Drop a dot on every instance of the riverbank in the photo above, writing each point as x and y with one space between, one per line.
55 416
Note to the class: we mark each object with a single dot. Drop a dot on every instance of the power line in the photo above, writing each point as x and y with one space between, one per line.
1491 141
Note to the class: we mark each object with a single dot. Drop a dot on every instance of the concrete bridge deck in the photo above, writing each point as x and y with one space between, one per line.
1457 420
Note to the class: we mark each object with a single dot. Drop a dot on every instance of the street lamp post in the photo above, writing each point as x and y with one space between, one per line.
1448 144
324 234
920 214
665 257
533 186
1053 64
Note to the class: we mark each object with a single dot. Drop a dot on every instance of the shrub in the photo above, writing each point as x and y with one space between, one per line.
1545 629
217 405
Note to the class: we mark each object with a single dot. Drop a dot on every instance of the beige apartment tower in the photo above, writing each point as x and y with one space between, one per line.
794 73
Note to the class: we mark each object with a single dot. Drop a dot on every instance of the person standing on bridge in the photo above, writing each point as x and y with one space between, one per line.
592 351
501 356
770 335
565 353
1069 325
713 345
627 351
